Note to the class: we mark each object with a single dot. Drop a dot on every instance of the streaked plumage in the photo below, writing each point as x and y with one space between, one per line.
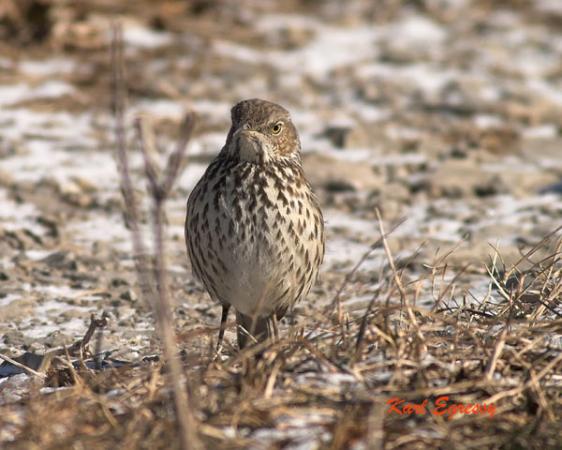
254 229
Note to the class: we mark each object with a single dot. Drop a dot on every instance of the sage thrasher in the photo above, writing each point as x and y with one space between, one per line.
254 229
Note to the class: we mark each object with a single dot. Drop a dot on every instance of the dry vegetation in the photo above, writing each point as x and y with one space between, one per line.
328 381
501 355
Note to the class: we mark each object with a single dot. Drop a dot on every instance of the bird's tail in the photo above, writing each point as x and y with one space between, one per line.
250 328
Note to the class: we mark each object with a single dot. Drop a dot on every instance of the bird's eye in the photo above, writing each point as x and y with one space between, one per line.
277 127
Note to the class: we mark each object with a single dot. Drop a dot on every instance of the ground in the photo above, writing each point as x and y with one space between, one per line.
443 116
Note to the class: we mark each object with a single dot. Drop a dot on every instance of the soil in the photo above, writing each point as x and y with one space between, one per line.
442 115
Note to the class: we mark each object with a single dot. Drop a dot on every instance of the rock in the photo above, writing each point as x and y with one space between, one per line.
16 388
522 183
76 193
292 37
335 175
129 295
391 209
396 191
25 21
85 185
5 178
14 310
499 141
492 186
547 151
60 260
50 224
346 136
71 33
478 252
117 282
14 338
20 239
57 339
336 135
458 178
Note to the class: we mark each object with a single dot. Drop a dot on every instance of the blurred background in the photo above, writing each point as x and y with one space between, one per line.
445 113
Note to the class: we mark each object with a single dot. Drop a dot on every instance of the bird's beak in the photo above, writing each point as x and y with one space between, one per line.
250 146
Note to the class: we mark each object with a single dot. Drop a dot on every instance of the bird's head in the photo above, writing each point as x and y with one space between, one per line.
262 132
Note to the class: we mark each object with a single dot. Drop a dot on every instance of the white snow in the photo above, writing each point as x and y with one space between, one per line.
47 67
416 31
10 94
5 301
549 6
15 216
137 35
330 48
545 131
72 327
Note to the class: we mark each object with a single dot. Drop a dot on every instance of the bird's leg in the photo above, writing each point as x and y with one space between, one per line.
224 316
273 326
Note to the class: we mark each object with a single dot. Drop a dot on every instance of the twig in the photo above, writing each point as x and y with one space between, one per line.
118 100
498 349
159 191
363 326
94 325
532 251
449 286
176 159
519 389
349 276
398 282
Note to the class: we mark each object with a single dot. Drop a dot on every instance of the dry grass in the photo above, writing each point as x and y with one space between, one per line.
338 378
330 381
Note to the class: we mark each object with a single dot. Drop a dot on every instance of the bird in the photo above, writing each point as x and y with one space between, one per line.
254 229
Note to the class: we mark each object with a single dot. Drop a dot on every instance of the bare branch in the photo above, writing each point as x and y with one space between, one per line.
147 145
176 158
158 298
118 97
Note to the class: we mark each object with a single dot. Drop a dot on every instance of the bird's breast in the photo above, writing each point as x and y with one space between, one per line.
266 235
